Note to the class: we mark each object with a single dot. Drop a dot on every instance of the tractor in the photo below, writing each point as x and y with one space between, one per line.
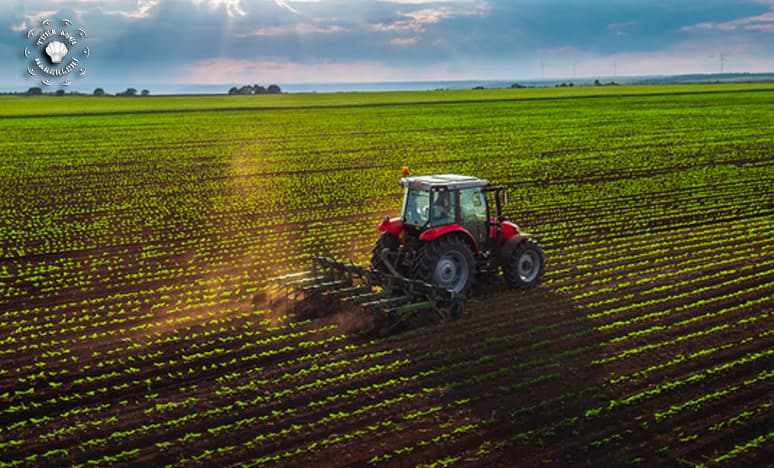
451 230
449 233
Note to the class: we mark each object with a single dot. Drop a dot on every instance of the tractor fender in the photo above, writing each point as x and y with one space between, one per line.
509 230
511 244
440 231
391 225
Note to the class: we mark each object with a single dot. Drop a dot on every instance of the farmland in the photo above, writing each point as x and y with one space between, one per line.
138 236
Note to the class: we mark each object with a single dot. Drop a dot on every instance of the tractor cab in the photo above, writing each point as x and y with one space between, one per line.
440 200
453 201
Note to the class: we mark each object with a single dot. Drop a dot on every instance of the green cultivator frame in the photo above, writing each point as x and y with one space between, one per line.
390 299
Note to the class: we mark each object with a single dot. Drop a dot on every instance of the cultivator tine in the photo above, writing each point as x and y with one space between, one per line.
349 293
367 297
291 276
415 307
387 303
300 283
327 286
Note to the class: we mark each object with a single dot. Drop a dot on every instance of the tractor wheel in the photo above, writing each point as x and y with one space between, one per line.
386 241
524 267
446 262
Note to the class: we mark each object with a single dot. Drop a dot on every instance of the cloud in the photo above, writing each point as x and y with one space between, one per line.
405 42
418 20
35 18
143 9
415 21
286 5
233 7
20 27
278 70
762 23
298 29
424 2
621 29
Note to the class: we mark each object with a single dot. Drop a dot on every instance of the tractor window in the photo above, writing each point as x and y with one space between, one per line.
416 209
444 208
473 212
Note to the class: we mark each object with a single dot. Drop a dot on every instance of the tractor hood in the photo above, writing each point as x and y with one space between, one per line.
391 225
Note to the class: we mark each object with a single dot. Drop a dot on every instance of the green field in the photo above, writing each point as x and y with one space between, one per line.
79 105
136 235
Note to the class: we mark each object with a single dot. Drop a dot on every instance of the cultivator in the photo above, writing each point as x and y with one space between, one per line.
388 298
451 228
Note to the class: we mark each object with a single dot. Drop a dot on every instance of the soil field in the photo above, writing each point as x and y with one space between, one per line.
137 247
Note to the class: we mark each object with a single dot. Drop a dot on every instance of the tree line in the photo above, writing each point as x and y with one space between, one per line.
37 91
255 89
246 89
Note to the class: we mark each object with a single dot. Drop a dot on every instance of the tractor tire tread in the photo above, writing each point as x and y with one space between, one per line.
429 255
510 265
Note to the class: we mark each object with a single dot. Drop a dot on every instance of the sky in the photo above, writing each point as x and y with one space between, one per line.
207 42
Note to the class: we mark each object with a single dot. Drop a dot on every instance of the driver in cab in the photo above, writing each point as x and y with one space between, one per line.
442 209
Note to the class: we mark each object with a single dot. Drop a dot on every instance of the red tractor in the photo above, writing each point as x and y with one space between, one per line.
449 232
425 261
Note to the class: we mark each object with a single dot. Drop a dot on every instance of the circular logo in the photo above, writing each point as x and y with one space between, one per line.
56 52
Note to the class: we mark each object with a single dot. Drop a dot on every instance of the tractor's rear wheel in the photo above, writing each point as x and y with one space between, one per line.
446 262
387 241
524 267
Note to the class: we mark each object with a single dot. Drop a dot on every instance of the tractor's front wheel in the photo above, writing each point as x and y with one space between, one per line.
524 267
446 262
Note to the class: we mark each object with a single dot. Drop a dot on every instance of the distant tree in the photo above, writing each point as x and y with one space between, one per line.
60 92
145 92
99 92
517 85
255 89
34 91
128 92
597 83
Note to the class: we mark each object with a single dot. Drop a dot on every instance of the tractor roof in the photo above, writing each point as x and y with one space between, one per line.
442 181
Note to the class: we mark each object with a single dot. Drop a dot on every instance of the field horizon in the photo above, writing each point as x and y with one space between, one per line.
50 105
